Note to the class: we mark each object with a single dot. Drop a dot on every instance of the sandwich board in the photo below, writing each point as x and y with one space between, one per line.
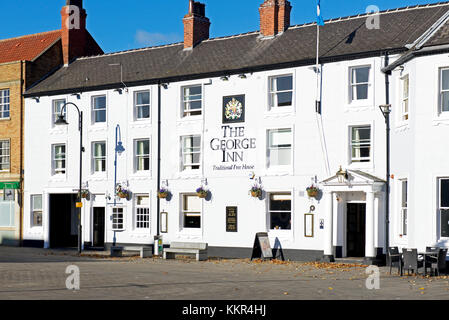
261 247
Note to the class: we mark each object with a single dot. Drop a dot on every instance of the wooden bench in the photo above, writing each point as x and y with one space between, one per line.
187 248
145 252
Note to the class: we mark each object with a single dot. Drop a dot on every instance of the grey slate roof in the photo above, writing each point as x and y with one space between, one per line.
340 39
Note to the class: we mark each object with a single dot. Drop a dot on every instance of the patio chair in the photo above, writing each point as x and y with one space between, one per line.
411 261
395 259
437 264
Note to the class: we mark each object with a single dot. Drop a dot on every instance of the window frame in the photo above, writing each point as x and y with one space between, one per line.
136 106
36 210
137 214
54 115
4 104
193 213
8 141
403 223
441 91
184 102
405 115
94 111
95 158
353 160
271 92
188 167
268 148
137 157
269 212
55 171
440 208
352 85
115 220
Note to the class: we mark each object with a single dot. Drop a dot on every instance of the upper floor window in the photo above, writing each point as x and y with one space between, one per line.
191 211
191 152
444 90
59 159
142 105
281 91
142 155
99 157
405 98
192 101
56 110
279 147
361 144
280 211
443 207
359 83
99 109
36 210
142 217
5 155
4 104
404 207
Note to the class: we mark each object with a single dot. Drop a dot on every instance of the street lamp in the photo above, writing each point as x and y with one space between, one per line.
61 121
119 149
342 175
386 111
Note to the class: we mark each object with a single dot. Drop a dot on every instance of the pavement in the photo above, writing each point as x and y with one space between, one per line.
39 274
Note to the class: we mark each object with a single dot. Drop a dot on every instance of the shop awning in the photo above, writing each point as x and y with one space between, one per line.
9 185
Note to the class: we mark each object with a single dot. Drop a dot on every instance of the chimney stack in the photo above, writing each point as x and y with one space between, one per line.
196 25
73 30
274 17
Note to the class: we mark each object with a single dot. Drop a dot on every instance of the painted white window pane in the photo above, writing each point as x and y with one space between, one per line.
280 210
445 79
57 106
4 104
445 101
360 83
191 152
6 213
37 202
5 155
99 157
143 155
99 109
192 100
143 104
280 147
143 200
281 91
117 219
280 138
192 203
361 144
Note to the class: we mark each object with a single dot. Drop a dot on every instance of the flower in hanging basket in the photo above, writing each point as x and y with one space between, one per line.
163 193
256 191
84 193
122 192
201 192
312 191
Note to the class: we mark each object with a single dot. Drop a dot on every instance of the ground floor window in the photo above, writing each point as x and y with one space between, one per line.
404 207
444 207
191 211
280 211
6 212
36 210
142 212
117 219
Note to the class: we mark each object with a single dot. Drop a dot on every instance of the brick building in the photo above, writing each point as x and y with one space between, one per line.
23 62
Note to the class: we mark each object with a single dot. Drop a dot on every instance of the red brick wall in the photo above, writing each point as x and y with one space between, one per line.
274 17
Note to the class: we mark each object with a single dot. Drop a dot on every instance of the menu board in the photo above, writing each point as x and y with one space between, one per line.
262 247
231 219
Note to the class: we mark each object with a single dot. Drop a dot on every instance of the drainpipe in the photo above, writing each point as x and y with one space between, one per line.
156 239
387 186
21 190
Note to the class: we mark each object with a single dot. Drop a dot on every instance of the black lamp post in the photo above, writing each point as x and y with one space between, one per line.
61 121
386 111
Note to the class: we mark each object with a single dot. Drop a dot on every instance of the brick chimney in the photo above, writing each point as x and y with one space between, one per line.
196 25
73 30
274 17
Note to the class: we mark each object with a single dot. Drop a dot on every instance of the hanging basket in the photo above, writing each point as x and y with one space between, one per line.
312 192
122 195
202 194
162 195
256 193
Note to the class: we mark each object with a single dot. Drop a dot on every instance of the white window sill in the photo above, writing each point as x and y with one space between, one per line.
279 171
190 118
190 174
5 119
191 232
361 165
98 177
274 111
402 125
442 118
141 175
58 178
360 104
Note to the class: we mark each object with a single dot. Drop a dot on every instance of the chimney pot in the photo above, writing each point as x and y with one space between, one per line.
73 30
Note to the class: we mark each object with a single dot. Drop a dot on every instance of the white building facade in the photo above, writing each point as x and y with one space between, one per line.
250 127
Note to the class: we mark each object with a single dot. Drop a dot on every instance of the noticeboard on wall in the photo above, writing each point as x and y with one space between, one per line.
308 225
231 219
164 222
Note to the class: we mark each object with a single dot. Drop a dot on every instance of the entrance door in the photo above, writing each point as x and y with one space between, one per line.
99 214
63 221
355 238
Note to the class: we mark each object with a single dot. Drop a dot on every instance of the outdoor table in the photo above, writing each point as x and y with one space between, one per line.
428 254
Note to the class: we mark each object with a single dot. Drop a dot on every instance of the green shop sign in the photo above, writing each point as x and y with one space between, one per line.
9 185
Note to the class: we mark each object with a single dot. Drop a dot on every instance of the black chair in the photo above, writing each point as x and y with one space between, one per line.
395 259
437 264
411 261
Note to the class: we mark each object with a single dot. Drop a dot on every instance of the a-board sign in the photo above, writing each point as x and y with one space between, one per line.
231 219
261 247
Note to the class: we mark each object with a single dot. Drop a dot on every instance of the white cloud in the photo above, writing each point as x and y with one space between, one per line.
146 38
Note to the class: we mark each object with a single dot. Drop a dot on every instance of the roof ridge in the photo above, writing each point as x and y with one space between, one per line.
29 35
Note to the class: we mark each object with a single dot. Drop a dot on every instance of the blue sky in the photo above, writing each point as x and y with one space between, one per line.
126 24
